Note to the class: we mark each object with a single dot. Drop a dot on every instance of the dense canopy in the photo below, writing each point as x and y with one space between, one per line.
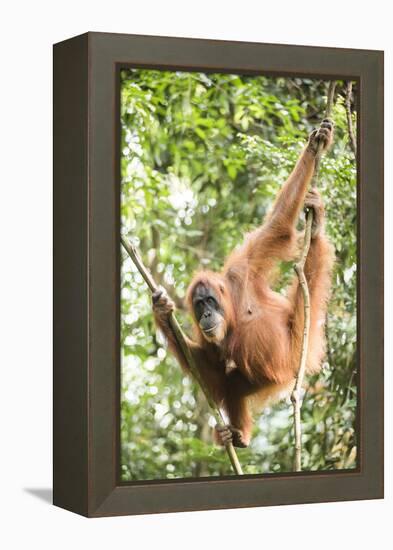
202 158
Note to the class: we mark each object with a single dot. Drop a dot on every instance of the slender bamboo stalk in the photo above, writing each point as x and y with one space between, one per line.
181 340
299 268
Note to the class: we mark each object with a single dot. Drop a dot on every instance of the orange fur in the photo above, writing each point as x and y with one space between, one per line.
263 329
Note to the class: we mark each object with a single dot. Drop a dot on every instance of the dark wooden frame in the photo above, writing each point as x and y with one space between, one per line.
86 274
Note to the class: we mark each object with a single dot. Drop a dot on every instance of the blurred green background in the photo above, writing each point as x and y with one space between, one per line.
202 158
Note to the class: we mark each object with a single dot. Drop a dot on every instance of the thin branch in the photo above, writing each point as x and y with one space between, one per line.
181 340
156 240
299 268
295 396
351 133
328 112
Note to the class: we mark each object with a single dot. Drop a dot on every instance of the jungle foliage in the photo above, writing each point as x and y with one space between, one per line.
202 158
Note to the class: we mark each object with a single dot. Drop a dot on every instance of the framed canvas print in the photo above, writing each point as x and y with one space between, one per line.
218 274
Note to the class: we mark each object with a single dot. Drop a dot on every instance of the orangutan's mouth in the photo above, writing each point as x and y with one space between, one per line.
207 330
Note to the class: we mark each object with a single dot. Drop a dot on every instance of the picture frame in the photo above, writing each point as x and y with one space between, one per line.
86 385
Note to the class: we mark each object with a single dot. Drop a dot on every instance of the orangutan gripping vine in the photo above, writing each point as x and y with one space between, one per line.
248 337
